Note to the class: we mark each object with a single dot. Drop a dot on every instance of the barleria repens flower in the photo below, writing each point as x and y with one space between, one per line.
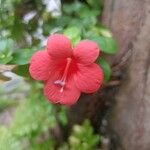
67 71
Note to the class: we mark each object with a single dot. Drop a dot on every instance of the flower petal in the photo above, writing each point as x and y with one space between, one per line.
89 78
40 65
59 46
70 93
86 52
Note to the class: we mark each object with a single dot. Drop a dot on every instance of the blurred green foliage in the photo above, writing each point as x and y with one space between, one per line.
7 141
5 104
35 118
24 26
5 50
106 68
82 138
28 23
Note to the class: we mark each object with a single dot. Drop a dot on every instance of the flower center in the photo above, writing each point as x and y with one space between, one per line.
62 81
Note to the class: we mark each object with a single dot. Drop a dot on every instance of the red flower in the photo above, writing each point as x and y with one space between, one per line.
67 71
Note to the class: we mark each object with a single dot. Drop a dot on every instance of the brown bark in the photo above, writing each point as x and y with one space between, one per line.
130 118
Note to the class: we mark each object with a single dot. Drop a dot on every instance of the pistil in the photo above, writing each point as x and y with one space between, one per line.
62 81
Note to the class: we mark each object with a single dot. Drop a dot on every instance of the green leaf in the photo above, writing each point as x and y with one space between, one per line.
22 70
105 32
22 56
5 58
82 137
106 68
89 21
73 7
6 46
73 33
107 44
85 12
94 3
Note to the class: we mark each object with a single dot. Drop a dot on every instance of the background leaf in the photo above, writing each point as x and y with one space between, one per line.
6 46
107 44
106 68
105 32
22 56
21 70
73 33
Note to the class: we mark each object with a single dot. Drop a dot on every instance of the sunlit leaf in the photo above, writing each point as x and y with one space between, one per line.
83 137
73 33
6 46
105 32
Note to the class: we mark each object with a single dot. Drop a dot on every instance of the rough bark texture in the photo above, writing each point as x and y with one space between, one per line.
129 21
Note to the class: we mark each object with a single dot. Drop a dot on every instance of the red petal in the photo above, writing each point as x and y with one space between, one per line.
86 52
89 78
40 65
69 96
59 46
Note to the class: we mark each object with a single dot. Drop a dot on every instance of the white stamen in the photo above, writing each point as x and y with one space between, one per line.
60 82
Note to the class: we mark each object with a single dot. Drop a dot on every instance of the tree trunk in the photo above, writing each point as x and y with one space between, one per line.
129 119
129 21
